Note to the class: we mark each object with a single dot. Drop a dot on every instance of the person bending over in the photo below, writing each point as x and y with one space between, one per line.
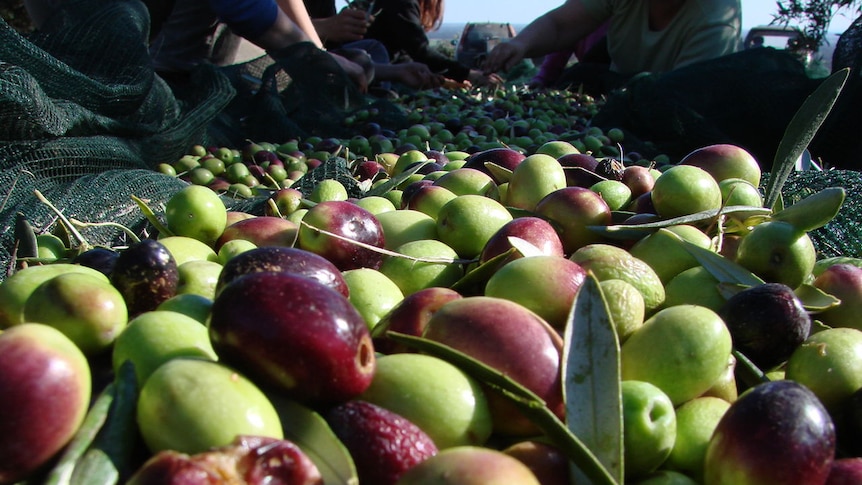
643 35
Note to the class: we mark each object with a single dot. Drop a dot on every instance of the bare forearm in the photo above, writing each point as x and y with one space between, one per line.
558 29
284 32
295 10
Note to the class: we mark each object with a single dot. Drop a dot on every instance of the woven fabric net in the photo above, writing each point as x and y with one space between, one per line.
843 235
747 99
85 120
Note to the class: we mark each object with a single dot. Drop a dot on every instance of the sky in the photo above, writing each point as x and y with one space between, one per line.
754 12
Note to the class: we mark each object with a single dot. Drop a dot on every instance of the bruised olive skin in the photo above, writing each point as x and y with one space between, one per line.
146 275
766 322
610 169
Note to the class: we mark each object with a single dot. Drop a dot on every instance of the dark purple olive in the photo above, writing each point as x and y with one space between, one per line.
777 432
767 323
146 275
98 258
283 259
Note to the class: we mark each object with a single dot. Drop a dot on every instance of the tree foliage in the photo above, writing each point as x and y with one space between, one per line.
813 17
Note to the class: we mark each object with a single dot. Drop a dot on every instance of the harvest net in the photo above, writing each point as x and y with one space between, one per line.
85 120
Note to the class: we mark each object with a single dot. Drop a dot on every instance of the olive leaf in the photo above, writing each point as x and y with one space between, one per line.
474 280
747 371
814 299
101 450
25 237
527 402
308 430
814 211
630 231
109 459
61 474
397 180
723 269
499 172
524 247
151 217
801 130
591 379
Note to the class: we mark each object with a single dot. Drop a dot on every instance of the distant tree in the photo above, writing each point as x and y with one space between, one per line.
813 17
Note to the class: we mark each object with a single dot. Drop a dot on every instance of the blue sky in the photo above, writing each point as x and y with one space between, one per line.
755 12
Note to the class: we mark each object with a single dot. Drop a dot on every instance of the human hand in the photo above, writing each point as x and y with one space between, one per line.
416 75
504 57
479 78
349 25
354 71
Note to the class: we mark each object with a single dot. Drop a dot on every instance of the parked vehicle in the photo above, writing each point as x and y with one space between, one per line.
818 62
478 38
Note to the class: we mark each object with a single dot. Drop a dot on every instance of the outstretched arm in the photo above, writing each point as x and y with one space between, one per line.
274 26
296 11
558 29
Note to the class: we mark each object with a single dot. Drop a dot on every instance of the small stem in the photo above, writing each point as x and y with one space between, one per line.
79 239
386 251
151 217
134 237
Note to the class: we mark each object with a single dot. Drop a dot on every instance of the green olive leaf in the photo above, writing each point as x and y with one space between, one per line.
518 212
818 326
308 430
499 172
101 451
814 211
630 231
396 180
727 290
524 247
473 282
814 299
110 456
591 379
583 172
95 467
61 474
151 217
747 371
619 217
723 269
801 130
527 402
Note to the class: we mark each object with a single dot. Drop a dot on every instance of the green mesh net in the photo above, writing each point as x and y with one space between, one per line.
746 99
843 235
295 93
85 120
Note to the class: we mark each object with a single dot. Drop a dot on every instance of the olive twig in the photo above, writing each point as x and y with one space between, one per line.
82 243
134 237
386 251
151 217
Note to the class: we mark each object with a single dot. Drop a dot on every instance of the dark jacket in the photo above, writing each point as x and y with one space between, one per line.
320 9
398 27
